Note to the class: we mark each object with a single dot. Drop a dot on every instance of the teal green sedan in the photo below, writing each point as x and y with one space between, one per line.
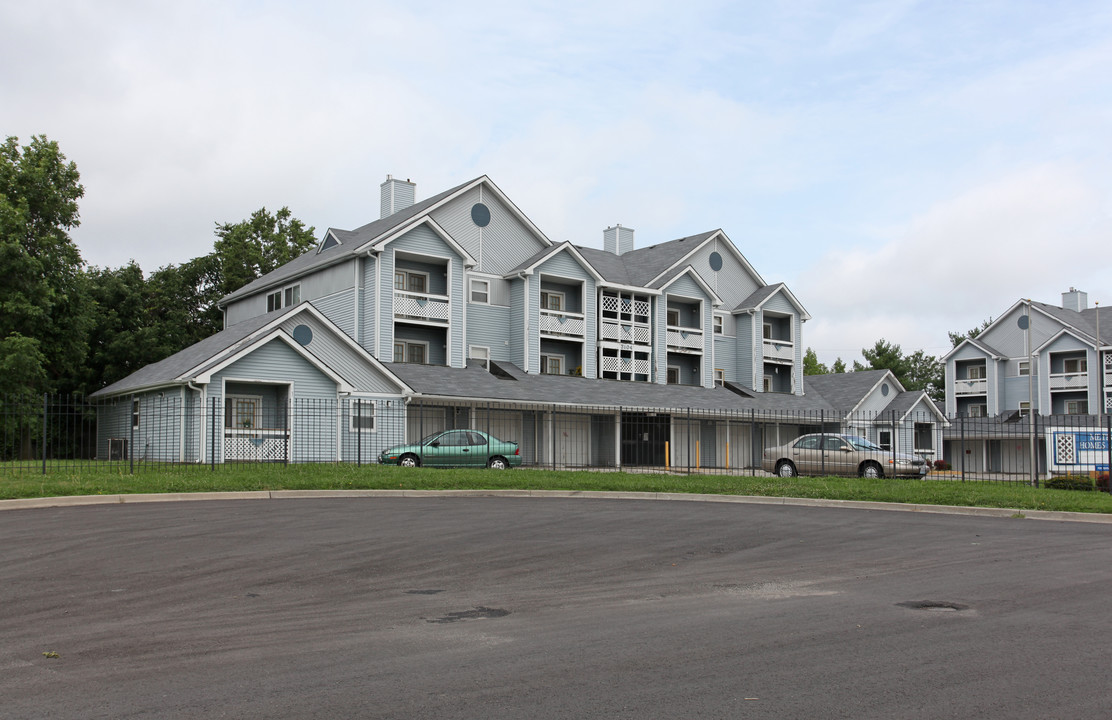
455 448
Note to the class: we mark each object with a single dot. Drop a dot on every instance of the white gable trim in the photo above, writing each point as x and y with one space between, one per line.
380 244
713 237
715 300
305 307
1086 341
276 335
551 253
783 288
888 375
925 399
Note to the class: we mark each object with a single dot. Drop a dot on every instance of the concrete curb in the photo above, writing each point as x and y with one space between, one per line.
126 499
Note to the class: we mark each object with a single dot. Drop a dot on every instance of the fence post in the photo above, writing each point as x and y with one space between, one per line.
961 418
1034 451
131 436
688 441
1108 444
358 432
212 436
553 424
45 416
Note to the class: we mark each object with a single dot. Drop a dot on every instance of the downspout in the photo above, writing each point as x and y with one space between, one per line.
355 300
201 420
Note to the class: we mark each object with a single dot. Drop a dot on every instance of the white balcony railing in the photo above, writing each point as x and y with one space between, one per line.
421 306
616 331
636 366
779 351
977 386
1069 381
563 324
683 338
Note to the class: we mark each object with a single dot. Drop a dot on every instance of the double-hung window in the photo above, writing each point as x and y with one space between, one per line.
283 298
411 281
409 351
480 291
552 300
362 415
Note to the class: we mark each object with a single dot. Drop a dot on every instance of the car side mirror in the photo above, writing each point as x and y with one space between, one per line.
846 449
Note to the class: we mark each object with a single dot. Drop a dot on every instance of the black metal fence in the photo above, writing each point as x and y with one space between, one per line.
156 430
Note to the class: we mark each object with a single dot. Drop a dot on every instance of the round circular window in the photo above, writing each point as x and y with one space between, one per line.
480 214
303 334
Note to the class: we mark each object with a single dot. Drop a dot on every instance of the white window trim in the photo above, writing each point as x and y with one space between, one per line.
1023 368
719 377
676 370
135 414
551 294
405 351
982 371
880 439
1024 408
471 292
360 406
766 331
485 358
769 382
280 297
718 325
1076 407
411 273
670 313
546 357
1081 365
231 415
981 410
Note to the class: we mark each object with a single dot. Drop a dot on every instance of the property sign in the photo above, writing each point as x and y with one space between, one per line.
1077 449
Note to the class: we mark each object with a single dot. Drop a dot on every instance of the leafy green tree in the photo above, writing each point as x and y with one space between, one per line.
251 248
811 364
43 309
956 338
839 366
917 371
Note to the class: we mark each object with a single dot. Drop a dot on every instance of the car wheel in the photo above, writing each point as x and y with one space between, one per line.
871 470
409 460
786 469
498 463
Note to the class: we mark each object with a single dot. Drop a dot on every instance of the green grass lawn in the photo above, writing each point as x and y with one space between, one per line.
103 479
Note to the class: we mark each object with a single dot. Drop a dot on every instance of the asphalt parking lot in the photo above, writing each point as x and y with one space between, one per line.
548 608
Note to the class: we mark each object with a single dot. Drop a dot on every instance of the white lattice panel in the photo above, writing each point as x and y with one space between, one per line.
689 339
1065 453
640 307
562 323
254 449
421 306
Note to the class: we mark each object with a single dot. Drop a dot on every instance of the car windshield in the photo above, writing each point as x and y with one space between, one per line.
429 438
860 443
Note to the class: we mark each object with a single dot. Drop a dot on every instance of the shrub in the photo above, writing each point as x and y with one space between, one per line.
941 465
1102 482
1069 482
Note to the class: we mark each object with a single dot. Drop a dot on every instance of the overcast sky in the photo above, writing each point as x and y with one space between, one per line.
907 168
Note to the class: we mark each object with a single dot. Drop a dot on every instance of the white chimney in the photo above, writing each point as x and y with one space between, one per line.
397 195
617 239
1075 300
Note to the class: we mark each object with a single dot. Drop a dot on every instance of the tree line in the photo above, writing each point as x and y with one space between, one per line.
915 371
67 327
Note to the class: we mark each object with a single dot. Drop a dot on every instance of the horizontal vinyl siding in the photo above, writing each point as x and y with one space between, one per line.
489 326
341 358
505 242
725 356
745 350
340 309
732 283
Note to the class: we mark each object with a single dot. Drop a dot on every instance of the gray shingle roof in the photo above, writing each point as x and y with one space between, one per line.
843 390
168 370
475 383
351 240
640 266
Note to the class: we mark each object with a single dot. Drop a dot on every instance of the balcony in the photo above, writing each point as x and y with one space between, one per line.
779 351
1069 381
684 339
562 324
624 332
421 307
974 386
634 366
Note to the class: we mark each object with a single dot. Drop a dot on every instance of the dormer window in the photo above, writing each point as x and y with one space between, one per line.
283 298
